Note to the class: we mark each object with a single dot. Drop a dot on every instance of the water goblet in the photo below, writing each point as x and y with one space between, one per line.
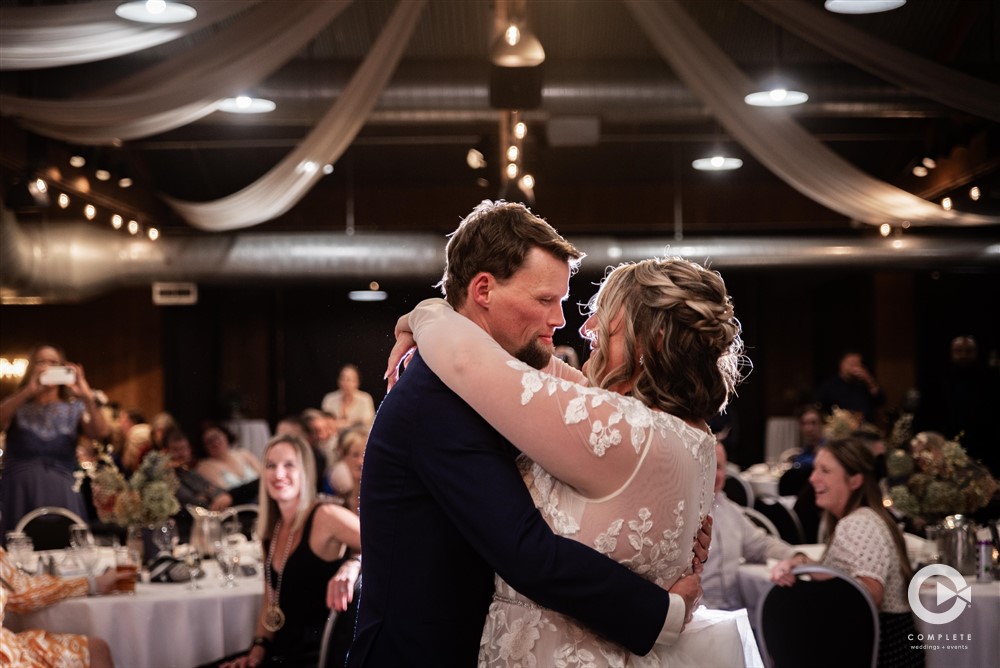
21 550
224 556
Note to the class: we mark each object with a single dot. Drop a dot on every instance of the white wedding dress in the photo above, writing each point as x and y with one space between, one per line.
579 434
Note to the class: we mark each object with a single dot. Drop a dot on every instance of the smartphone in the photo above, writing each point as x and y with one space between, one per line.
57 375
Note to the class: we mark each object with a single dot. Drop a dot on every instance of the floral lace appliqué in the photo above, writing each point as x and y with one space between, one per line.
650 556
604 434
545 493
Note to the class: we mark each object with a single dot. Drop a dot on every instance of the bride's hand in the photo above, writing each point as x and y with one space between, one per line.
401 350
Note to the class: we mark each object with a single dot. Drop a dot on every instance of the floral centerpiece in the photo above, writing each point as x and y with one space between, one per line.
148 497
936 478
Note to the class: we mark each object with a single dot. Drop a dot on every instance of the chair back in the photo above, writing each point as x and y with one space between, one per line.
245 514
326 644
785 519
821 623
738 490
48 526
761 521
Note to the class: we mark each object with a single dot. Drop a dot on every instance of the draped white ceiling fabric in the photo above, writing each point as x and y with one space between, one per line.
184 88
902 68
54 36
771 134
286 183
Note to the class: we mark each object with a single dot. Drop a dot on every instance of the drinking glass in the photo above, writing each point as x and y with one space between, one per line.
127 562
165 537
83 548
228 557
21 550
192 559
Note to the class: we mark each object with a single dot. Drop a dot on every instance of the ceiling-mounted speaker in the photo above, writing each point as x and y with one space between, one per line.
516 87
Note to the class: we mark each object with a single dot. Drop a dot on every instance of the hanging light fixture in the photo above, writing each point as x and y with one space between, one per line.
517 46
156 11
245 104
777 90
862 6
717 163
372 294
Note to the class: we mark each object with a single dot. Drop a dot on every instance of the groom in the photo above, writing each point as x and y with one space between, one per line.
443 506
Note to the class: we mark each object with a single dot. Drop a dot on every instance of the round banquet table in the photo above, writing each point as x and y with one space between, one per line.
161 625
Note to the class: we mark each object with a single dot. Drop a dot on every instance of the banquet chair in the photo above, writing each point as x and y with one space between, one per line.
761 521
839 607
326 644
245 514
784 518
48 526
738 490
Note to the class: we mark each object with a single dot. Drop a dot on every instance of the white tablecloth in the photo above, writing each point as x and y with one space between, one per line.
980 622
161 625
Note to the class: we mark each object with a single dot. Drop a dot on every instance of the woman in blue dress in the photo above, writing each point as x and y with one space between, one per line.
43 423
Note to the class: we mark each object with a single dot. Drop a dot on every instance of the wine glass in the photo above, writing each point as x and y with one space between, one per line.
83 547
165 537
192 559
228 557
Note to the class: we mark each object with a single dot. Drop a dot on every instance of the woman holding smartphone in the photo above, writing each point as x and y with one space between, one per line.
43 420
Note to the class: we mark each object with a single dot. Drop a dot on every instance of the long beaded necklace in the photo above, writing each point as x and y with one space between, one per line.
274 618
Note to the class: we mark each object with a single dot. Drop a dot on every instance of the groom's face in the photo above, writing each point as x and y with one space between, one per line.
526 309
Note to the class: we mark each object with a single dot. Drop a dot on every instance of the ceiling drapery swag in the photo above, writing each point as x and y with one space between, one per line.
771 134
38 37
184 88
907 70
287 182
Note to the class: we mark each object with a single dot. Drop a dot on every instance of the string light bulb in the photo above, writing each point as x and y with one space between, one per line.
512 35
116 221
946 204
63 200
512 171
512 153
520 130
153 234
89 212
527 182
974 193
133 227
885 229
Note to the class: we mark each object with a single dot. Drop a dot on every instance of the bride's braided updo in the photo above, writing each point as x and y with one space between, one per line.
680 334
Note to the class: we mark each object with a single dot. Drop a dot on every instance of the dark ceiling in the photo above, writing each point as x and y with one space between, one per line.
407 168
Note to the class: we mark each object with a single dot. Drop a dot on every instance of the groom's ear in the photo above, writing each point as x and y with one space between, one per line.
480 288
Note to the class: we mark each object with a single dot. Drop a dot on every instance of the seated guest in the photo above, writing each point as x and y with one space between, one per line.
810 438
349 405
24 593
735 540
322 438
864 542
225 466
305 542
138 442
345 476
158 426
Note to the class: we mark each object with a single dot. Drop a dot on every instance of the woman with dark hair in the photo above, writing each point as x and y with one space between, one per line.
864 542
43 422
306 543
225 466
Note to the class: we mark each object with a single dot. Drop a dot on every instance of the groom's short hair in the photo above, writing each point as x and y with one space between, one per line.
496 238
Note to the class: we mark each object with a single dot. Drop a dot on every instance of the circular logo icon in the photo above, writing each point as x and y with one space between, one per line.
961 592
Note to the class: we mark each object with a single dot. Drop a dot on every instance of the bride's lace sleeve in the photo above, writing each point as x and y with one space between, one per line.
589 438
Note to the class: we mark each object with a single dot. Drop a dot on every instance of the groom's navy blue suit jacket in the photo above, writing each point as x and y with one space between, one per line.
442 507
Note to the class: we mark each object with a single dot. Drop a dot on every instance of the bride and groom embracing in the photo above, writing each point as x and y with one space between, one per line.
517 511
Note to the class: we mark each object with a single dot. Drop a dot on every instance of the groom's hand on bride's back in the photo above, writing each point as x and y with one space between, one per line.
702 543
688 588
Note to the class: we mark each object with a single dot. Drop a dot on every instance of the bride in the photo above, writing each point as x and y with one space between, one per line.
619 457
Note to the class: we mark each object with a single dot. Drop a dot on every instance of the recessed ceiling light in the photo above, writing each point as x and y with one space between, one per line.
862 6
919 170
244 104
717 163
156 11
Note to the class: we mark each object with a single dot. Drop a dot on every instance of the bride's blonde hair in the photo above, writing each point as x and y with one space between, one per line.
680 334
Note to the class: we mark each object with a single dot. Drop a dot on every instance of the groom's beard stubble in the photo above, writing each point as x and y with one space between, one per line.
535 355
